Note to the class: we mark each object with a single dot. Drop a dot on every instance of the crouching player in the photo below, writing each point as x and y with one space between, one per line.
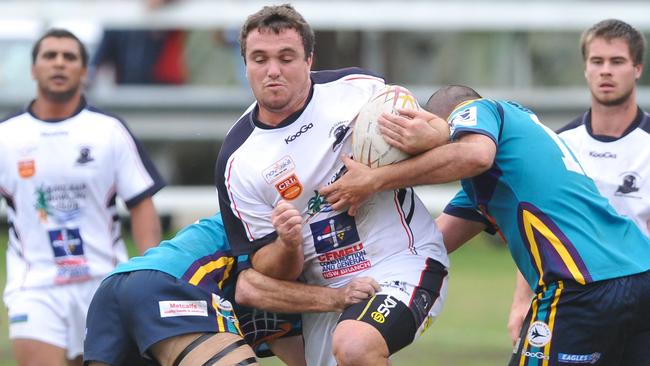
175 306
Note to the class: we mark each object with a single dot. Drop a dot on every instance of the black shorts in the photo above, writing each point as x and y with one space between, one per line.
400 321
601 323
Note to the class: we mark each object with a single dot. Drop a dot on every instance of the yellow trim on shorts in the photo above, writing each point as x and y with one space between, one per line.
220 323
534 305
551 320
366 308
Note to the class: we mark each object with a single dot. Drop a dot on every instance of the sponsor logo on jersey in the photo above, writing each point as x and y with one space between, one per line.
18 318
569 358
339 131
337 241
630 183
465 117
66 242
605 154
26 168
539 334
317 204
280 168
351 263
183 308
334 232
383 310
71 264
303 129
84 156
289 188
60 201
539 355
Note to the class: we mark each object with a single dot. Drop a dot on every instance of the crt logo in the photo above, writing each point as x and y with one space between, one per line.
334 232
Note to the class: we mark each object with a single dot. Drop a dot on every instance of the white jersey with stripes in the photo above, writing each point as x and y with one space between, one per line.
258 165
60 180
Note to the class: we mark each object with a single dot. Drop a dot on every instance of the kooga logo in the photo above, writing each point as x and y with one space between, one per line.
303 129
607 155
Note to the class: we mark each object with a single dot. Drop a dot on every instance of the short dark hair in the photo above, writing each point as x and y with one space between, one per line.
60 33
444 100
277 19
611 29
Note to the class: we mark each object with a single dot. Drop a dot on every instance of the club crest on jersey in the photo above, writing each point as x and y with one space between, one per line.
26 168
289 188
279 169
339 131
630 183
334 232
465 117
84 156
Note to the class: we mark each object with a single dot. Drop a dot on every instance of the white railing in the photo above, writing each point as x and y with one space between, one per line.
185 204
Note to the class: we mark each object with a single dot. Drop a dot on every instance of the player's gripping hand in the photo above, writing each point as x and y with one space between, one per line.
413 131
357 290
352 189
288 224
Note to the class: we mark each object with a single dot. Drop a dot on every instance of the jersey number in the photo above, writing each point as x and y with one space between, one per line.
570 162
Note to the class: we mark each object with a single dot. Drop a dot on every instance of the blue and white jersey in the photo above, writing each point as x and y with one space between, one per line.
60 179
556 224
620 167
199 254
258 165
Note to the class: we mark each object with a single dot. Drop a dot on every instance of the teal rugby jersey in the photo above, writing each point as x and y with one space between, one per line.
556 224
199 254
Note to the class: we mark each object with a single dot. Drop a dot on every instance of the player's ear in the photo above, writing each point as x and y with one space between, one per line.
638 70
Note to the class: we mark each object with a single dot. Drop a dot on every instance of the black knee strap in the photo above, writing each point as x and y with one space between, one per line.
226 350
191 347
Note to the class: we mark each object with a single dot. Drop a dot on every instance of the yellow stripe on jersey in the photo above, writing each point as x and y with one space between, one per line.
211 266
531 222
551 320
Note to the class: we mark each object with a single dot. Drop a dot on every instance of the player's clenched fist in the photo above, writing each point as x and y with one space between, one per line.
288 224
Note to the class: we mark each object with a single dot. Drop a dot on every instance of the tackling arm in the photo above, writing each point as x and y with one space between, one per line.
282 259
259 291
457 231
471 155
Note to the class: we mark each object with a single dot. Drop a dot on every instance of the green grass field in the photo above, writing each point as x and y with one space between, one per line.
470 332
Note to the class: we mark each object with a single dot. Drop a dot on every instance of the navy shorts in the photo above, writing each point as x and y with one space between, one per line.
601 323
132 311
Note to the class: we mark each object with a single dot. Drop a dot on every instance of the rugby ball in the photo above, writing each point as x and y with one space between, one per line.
368 144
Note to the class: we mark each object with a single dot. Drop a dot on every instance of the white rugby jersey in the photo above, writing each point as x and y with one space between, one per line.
60 180
620 167
258 165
